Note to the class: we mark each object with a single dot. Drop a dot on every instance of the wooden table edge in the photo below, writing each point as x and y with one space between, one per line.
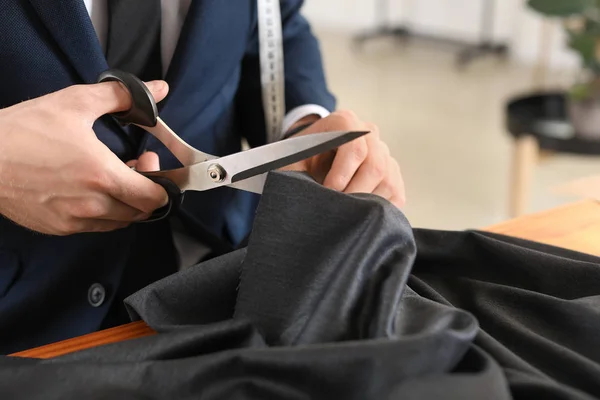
510 223
516 227
132 330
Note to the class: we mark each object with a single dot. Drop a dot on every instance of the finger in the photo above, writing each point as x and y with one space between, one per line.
148 162
368 177
385 188
347 161
158 88
100 225
121 212
80 225
109 97
399 196
136 190
373 170
104 207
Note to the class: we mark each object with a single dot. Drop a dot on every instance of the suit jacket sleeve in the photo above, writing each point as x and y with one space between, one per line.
304 76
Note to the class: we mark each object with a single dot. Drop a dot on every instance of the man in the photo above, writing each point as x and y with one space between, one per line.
69 250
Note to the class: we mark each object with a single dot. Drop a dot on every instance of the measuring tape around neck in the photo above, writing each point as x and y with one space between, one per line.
272 76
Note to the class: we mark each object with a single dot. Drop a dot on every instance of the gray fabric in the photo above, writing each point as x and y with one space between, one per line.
194 296
336 296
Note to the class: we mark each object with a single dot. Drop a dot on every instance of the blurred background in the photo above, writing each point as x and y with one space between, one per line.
441 99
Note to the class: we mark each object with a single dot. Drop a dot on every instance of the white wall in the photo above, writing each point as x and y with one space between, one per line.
459 19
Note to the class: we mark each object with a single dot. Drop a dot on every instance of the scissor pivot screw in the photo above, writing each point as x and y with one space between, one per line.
216 173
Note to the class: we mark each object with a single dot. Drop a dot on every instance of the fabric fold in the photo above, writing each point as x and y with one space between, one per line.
337 296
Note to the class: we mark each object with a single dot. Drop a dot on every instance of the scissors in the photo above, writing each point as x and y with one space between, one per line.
246 170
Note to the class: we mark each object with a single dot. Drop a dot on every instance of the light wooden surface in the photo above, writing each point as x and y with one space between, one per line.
574 226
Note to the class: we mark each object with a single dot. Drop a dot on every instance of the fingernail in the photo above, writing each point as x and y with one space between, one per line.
156 86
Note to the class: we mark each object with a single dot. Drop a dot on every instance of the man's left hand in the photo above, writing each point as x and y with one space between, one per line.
361 166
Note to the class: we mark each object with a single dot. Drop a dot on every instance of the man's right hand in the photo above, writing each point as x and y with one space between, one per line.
57 178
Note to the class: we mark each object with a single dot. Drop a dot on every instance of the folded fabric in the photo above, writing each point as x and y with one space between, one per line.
337 297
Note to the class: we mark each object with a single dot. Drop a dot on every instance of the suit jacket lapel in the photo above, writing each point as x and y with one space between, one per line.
69 24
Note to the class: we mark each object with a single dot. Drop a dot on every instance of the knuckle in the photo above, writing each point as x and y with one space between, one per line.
385 190
360 150
343 119
338 182
85 98
379 168
372 128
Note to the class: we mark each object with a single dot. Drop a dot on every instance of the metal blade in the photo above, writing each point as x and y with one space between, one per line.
256 184
247 164
196 178
247 170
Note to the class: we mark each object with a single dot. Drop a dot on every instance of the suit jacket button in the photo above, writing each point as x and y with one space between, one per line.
96 295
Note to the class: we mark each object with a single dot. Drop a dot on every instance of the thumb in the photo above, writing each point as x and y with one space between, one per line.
110 97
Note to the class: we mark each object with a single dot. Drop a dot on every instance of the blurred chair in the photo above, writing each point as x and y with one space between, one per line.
539 123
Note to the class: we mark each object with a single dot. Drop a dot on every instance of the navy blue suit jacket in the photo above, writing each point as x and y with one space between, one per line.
214 101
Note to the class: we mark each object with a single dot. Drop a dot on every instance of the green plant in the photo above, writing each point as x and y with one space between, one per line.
581 20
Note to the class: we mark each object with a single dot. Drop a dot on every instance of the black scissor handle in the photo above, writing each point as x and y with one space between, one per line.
175 198
143 109
144 112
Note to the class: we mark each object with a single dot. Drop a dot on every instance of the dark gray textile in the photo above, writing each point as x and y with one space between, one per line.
336 297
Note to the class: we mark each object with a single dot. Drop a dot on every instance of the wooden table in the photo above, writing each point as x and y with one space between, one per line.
574 226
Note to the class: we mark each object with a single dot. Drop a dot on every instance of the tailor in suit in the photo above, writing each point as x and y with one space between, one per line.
53 288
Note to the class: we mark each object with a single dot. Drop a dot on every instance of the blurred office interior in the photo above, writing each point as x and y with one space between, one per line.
446 122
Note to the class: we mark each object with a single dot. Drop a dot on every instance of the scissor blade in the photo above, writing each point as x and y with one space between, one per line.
256 184
247 170
273 156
